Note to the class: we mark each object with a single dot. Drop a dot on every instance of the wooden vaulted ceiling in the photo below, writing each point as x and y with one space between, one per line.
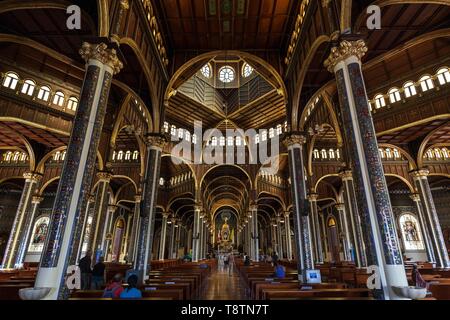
202 25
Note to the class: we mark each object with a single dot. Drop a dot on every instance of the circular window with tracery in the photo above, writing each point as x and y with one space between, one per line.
226 74
206 71
247 70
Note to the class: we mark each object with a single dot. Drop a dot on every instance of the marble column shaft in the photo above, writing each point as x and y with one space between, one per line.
305 260
162 240
287 224
424 228
316 238
134 229
254 226
196 235
144 249
420 178
383 249
64 233
344 231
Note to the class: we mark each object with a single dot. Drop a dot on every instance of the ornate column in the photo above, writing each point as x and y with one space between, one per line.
344 234
305 261
29 223
127 238
196 234
134 229
155 144
254 232
315 228
424 227
420 178
371 190
354 228
324 237
178 238
115 28
172 237
108 231
287 224
201 235
273 228
73 191
279 237
162 240
21 222
99 219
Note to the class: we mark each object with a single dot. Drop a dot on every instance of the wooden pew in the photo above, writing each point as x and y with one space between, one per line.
296 294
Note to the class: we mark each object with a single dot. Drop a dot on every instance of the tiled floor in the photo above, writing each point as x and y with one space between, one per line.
224 285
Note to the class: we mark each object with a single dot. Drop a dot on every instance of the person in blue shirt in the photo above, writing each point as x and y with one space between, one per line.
279 271
131 292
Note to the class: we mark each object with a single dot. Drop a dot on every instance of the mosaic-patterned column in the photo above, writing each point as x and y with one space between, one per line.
344 234
29 223
287 224
21 221
305 258
76 179
255 232
134 229
316 240
355 228
85 218
424 227
420 178
196 234
372 196
155 145
162 240
99 219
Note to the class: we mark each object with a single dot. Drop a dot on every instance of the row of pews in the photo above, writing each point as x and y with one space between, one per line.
11 281
168 280
260 285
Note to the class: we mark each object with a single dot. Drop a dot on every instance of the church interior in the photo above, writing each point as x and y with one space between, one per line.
225 149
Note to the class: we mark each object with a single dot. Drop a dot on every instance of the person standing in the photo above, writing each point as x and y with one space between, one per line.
85 269
231 264
98 275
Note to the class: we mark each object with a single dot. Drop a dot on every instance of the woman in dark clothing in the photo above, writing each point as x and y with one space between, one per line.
98 275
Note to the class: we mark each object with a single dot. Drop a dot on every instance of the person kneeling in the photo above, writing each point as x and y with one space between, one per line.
280 272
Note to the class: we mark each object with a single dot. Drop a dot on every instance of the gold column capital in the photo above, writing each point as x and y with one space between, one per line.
420 173
294 139
339 206
100 52
124 5
345 50
415 197
137 198
104 176
32 176
37 199
346 175
313 197
157 141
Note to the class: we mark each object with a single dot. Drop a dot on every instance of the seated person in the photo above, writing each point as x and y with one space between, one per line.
417 279
279 271
131 292
114 289
246 260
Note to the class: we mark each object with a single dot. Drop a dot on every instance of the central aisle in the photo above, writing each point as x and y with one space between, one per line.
224 285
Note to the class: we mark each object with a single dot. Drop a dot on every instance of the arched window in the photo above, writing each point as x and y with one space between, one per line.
257 139
173 130
114 155
316 154
39 234
28 87
443 76
58 99
63 156
72 104
247 70
264 135
382 154
379 101
445 153
411 232
128 155
16 156
57 156
426 83
338 153
271 133
430 154
388 153
394 95
206 71
180 133
226 74
8 157
324 154
214 141
136 155
166 127
396 154
437 152
279 129
194 138
222 141
23 157
238 141
230 141
120 155
187 136
44 93
285 126
161 181
410 89
332 154
11 80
